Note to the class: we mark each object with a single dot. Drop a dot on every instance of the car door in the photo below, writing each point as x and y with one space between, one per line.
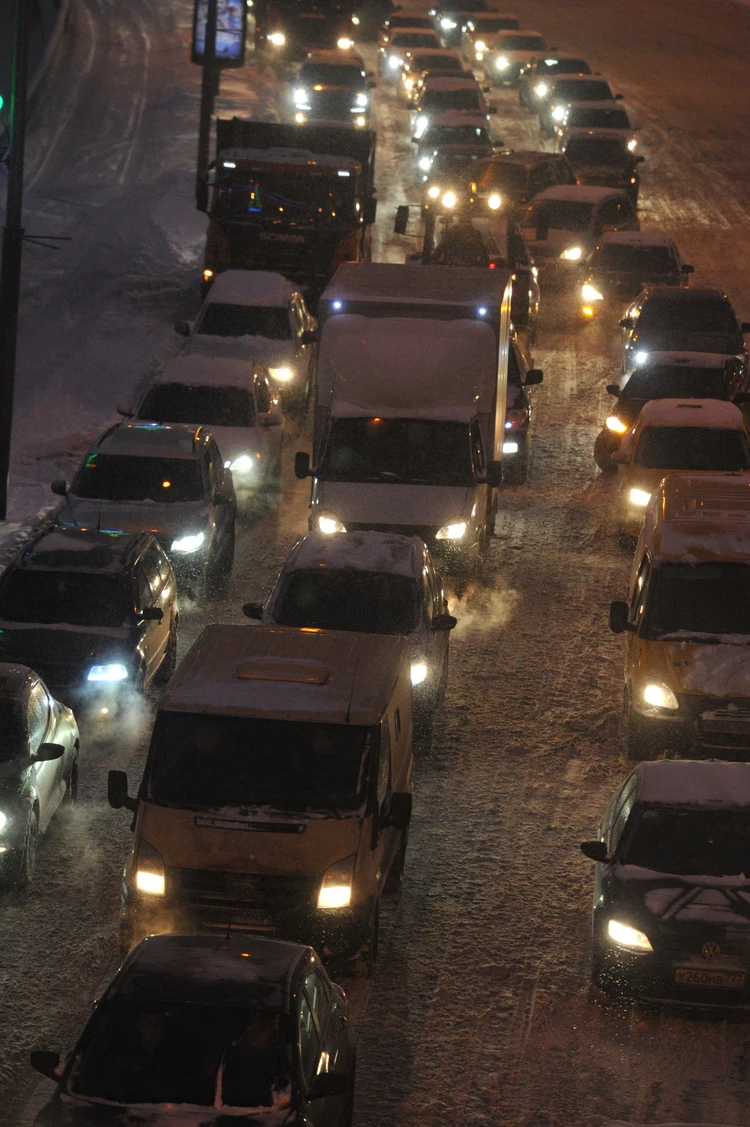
479 462
154 636
324 1046
221 495
434 603
48 778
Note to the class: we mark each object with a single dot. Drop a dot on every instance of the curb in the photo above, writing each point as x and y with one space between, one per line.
41 70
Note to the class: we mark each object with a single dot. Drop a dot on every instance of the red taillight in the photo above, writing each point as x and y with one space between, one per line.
492 266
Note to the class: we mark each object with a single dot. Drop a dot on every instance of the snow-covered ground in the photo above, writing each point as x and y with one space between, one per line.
480 1011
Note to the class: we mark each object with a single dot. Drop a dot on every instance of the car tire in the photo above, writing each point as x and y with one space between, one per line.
394 880
70 798
603 454
347 1116
169 661
23 862
219 570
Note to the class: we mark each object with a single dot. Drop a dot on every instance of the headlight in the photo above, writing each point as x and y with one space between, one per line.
660 696
433 192
300 96
283 375
447 24
625 936
590 293
113 672
632 144
336 889
424 163
3 821
189 543
558 113
300 118
409 83
418 672
541 90
393 62
360 122
480 45
501 62
510 448
572 254
344 44
330 524
243 464
641 357
452 531
639 497
277 38
495 201
449 199
616 425
361 99
149 873
419 126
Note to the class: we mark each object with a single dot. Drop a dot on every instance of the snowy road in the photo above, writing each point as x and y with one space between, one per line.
480 1010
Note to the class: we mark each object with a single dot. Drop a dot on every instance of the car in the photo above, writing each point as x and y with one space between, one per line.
517 441
451 17
404 19
622 263
563 224
231 1027
598 158
372 583
232 398
95 612
449 95
420 79
667 375
508 53
167 479
393 53
453 132
607 115
39 761
691 435
671 913
432 61
332 86
571 89
536 78
515 177
258 315
479 28
672 318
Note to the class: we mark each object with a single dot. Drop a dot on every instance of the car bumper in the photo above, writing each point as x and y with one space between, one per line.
687 979
702 726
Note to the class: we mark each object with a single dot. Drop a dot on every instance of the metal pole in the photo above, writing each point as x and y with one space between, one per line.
10 264
208 93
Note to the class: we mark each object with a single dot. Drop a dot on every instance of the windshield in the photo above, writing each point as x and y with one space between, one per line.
182 1053
435 62
367 602
455 135
75 598
561 66
13 738
600 150
410 21
204 762
648 261
693 842
407 451
330 74
209 406
485 25
450 100
112 477
417 39
688 599
558 215
676 383
300 197
704 316
579 117
510 178
220 319
588 90
692 448
521 43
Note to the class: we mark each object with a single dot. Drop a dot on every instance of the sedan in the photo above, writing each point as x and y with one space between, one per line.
218 1029
517 440
624 262
38 766
671 906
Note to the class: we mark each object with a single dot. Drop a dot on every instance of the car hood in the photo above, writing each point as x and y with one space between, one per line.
652 899
627 283
720 669
272 353
375 504
685 341
556 242
65 1111
33 643
164 521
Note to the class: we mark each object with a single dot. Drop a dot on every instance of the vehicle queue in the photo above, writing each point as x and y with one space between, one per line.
277 794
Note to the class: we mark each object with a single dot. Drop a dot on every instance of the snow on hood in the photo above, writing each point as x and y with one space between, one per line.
272 353
393 504
721 670
668 898
663 341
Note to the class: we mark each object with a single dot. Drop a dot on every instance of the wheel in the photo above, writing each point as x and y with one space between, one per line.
518 471
217 575
347 1117
641 741
24 859
603 451
395 878
169 661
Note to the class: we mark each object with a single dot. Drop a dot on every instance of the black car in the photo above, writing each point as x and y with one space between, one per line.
94 612
622 263
601 159
516 176
232 1029
673 319
536 79
671 912
517 439
667 375
451 17
38 767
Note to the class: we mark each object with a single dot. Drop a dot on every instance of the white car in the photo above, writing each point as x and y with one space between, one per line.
419 63
393 53
562 225
257 315
509 52
234 400
372 583
453 132
450 95
606 115
480 28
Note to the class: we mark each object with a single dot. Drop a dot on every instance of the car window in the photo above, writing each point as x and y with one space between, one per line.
38 715
622 814
149 564
143 587
692 448
221 319
114 477
162 564
638 597
215 467
384 763
309 1040
262 395
477 450
210 406
319 998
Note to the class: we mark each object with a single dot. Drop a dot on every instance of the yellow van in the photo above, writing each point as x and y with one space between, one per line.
687 620
276 796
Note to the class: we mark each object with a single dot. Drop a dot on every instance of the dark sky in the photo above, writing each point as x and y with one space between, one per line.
43 14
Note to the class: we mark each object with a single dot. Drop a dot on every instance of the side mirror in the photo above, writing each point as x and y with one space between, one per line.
595 850
253 610
117 792
310 336
399 814
126 409
270 418
444 622
613 389
534 376
402 219
41 1060
152 614
640 160
494 475
183 328
745 327
47 753
491 109
369 212
372 85
618 617
627 322
60 487
618 97
687 269
328 1084
302 464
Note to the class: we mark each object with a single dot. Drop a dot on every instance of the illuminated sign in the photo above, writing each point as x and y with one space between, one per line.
231 25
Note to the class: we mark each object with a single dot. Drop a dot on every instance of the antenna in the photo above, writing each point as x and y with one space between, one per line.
351 694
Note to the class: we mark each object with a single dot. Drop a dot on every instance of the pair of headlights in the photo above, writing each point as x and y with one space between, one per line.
456 530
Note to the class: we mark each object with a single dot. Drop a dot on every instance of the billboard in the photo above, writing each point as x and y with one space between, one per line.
231 25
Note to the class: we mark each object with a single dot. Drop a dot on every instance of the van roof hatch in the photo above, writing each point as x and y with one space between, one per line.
283 669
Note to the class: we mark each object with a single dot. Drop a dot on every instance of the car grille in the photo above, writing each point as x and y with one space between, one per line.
248 900
425 533
718 723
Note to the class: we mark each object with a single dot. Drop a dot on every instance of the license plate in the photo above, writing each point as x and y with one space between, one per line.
736 727
723 979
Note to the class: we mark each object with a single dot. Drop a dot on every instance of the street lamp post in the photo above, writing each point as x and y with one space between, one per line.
208 93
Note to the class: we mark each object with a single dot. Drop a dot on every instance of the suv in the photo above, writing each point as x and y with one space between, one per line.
601 159
332 86
94 612
536 79
257 315
571 88
562 225
170 480
479 28
623 263
519 176
508 54
449 95
672 318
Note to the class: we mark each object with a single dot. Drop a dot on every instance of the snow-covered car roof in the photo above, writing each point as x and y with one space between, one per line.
84 549
578 193
456 117
446 82
580 79
200 370
281 155
152 440
674 782
13 680
700 517
599 104
691 413
686 360
251 287
383 552
506 33
636 239
426 31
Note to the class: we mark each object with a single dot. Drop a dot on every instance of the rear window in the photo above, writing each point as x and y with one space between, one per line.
692 448
220 319
451 100
435 62
114 477
330 75
455 135
208 406
698 316
595 150
487 25
562 66
649 261
410 21
557 215
587 91
676 383
368 602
